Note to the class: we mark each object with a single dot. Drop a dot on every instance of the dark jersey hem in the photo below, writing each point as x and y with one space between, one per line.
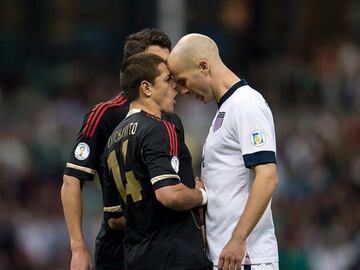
83 176
165 182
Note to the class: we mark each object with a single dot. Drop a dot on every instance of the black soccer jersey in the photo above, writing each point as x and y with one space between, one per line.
141 156
186 171
97 126
84 162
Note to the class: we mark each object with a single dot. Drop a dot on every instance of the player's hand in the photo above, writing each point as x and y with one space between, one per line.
81 260
199 183
232 254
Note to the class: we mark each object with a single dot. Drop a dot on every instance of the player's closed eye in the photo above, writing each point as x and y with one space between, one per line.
170 78
181 82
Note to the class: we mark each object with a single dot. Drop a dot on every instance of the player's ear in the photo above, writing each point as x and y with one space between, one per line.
145 88
204 66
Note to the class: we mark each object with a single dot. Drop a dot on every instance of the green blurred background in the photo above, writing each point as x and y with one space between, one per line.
60 57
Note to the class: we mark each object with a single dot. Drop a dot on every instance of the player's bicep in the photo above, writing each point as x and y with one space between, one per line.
160 154
256 133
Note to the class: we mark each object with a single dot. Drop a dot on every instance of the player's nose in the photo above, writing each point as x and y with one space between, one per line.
182 90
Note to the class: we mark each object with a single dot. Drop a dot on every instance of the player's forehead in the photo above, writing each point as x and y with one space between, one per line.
163 69
178 67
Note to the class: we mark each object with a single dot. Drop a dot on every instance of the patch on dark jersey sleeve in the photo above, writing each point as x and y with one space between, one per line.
82 151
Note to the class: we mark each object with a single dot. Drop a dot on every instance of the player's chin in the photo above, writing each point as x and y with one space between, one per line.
169 109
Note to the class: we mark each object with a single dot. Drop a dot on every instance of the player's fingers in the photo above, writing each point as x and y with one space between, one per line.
221 262
238 264
232 264
226 264
197 178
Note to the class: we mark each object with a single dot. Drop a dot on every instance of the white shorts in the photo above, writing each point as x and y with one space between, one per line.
263 266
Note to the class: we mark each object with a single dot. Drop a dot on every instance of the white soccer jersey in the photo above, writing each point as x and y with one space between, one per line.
242 135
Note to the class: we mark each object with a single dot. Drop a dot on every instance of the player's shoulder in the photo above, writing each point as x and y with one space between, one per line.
103 114
155 125
247 94
247 99
174 119
171 117
161 133
112 105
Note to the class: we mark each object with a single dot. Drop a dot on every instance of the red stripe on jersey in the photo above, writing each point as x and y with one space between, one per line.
95 111
170 137
89 125
103 110
175 139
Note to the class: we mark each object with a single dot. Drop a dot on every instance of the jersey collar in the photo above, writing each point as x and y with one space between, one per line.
133 111
231 91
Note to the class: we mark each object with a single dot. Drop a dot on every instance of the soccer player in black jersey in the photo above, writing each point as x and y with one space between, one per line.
141 175
84 162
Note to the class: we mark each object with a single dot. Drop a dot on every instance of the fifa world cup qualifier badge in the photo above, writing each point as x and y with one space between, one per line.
82 151
257 138
175 163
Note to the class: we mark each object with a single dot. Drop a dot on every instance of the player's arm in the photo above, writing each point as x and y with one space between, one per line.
180 197
160 153
72 206
78 170
260 195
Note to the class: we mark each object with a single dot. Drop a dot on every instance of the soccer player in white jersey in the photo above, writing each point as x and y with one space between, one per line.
239 158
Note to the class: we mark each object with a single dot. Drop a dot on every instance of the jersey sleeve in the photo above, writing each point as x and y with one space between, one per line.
160 154
186 172
175 119
97 126
85 155
254 127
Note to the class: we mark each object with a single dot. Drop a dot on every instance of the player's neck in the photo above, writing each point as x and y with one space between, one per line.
226 78
145 106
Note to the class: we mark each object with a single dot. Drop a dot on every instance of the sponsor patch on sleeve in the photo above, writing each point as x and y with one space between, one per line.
257 138
82 151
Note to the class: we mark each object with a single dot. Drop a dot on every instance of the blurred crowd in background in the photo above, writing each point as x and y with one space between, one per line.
60 57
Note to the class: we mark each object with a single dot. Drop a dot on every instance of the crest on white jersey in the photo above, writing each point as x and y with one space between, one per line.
257 138
82 151
175 163
218 121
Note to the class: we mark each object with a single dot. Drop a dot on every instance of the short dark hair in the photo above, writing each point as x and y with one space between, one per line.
137 68
140 41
